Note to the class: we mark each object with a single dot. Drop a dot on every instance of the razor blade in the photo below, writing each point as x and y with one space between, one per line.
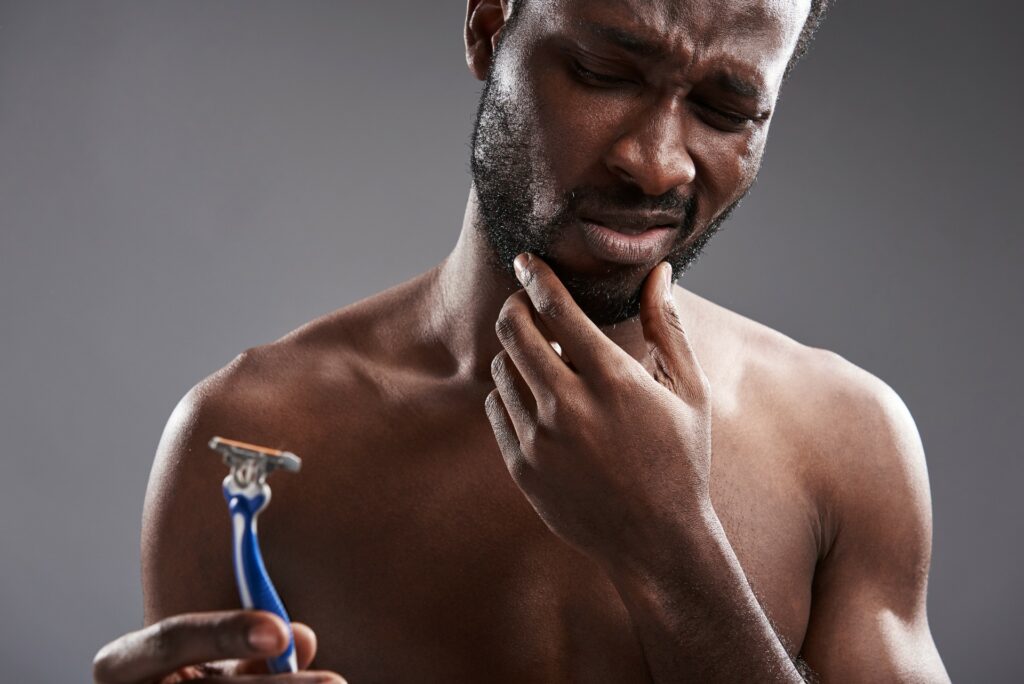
250 463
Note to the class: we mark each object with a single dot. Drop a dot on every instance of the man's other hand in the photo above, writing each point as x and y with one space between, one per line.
227 646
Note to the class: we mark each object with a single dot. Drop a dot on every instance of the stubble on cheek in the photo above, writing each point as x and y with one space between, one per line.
539 164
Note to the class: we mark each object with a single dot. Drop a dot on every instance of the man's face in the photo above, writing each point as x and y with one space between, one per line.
612 135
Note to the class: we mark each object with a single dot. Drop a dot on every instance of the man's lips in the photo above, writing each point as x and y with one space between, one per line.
633 222
631 244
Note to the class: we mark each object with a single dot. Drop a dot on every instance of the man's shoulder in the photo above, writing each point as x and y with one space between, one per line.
285 394
844 418
318 366
845 434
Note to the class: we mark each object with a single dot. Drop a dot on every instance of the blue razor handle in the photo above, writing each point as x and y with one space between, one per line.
254 585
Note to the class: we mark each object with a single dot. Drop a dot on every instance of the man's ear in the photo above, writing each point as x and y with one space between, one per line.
484 21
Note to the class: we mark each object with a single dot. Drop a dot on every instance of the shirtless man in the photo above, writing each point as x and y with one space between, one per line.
479 505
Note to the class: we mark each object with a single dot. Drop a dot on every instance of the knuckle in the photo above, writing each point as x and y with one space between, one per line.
560 411
702 386
672 316
518 467
499 365
616 377
492 401
526 270
509 324
103 662
550 307
520 299
675 328
549 440
663 370
694 389
528 435
166 639
226 641
546 278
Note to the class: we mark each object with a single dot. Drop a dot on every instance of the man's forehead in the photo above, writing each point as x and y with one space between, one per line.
675 27
664 16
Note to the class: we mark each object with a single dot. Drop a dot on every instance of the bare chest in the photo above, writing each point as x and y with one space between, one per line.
418 559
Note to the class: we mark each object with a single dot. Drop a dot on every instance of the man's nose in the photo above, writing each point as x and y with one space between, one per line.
653 154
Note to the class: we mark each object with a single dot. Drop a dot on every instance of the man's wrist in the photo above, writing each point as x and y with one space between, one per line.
674 548
692 607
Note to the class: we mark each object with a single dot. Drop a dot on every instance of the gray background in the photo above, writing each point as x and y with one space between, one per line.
181 180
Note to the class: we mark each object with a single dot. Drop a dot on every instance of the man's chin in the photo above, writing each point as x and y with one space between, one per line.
606 299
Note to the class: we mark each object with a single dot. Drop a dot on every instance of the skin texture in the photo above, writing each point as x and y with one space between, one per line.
533 184
684 495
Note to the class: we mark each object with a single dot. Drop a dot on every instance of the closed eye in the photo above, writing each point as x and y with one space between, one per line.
595 78
721 118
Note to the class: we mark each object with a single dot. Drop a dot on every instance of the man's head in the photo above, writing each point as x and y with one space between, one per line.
614 134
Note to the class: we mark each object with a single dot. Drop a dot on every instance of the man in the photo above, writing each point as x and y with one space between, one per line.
599 477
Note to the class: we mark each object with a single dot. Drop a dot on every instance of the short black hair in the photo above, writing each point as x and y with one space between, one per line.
810 27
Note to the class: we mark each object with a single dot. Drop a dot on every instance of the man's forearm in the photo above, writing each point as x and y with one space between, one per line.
695 613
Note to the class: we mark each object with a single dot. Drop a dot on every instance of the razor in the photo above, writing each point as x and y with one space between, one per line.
247 493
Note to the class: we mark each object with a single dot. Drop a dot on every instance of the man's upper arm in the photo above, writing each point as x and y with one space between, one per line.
868 617
186 552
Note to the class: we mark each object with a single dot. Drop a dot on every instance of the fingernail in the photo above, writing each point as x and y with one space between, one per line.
519 264
264 637
667 275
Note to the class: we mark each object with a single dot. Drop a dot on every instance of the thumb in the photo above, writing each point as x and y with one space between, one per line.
673 361
305 651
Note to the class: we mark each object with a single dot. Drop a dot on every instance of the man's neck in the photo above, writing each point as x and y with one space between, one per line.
469 293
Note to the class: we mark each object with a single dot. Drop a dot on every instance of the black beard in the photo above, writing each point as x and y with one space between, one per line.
507 185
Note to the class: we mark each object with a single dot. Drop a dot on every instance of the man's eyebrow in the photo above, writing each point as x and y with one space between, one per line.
626 40
737 85
646 48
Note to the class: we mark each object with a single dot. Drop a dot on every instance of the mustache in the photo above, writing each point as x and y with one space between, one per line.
630 200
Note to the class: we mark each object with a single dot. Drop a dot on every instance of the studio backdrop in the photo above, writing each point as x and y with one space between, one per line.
181 180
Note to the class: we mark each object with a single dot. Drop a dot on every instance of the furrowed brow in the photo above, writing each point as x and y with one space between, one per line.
626 40
738 86
646 48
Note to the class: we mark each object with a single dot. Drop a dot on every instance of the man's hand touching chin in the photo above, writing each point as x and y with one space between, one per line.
614 454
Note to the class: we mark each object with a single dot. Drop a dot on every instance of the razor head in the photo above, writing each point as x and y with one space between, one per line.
251 463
